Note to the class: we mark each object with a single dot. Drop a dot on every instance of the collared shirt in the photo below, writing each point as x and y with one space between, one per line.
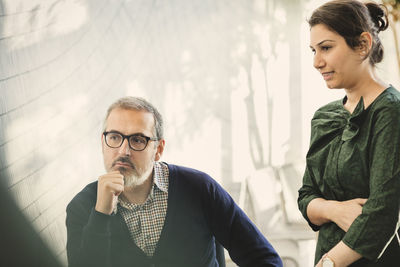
145 221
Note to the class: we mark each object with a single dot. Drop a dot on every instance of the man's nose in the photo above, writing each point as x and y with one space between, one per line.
124 149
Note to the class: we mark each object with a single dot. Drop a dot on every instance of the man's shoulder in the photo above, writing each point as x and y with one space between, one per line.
88 190
181 175
188 173
87 196
183 170
192 183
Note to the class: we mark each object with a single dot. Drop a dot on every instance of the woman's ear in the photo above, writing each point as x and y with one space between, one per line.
365 44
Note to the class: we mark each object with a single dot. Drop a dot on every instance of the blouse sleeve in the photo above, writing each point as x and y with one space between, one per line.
309 189
308 192
374 228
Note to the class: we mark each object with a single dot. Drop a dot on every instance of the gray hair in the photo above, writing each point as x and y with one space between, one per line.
138 103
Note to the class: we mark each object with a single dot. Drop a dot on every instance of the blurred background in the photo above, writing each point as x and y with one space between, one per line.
233 79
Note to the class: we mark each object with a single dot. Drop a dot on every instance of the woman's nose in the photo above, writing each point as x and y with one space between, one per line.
318 61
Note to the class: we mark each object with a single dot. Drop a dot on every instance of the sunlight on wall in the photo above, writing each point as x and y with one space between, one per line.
34 21
196 150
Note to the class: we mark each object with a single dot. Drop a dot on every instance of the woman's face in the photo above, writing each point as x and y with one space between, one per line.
339 65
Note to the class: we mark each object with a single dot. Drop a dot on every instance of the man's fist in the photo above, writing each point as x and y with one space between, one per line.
109 187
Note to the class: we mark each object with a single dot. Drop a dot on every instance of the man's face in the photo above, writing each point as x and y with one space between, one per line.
136 166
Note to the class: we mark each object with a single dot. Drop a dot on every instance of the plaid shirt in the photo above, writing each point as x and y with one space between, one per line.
145 221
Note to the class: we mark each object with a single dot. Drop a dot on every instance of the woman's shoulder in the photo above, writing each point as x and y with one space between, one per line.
330 110
331 105
388 101
391 96
328 119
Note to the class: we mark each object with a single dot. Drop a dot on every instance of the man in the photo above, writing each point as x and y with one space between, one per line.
149 213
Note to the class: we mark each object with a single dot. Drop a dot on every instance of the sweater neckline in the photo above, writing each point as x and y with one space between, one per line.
168 217
170 208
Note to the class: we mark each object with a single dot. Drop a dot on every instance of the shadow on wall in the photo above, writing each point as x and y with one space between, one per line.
48 115
20 245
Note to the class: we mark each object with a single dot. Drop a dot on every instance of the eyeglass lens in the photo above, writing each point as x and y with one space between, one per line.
136 142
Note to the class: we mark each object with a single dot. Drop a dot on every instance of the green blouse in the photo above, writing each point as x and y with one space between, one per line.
356 156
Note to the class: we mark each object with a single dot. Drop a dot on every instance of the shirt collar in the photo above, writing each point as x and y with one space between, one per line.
160 177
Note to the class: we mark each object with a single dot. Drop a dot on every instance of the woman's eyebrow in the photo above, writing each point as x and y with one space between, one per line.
323 41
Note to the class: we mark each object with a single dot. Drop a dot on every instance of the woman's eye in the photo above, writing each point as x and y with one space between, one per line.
325 48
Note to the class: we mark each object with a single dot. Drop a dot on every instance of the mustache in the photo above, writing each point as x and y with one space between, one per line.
124 160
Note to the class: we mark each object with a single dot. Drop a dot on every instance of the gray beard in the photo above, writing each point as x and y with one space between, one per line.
134 179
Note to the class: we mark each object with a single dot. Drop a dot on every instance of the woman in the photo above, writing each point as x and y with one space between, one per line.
351 185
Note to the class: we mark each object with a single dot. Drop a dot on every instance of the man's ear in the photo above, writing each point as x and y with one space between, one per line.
102 139
365 44
160 149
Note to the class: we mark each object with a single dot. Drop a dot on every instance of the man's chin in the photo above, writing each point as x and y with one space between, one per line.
123 171
133 180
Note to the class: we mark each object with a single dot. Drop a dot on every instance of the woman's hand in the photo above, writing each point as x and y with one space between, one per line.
345 212
341 255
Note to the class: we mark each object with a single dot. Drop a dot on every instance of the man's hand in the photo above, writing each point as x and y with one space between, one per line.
109 187
345 212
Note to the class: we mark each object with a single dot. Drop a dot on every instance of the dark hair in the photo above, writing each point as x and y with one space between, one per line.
350 18
138 103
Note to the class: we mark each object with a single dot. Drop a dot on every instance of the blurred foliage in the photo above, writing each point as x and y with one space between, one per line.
393 7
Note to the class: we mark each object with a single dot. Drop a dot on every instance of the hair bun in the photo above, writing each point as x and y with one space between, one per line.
378 15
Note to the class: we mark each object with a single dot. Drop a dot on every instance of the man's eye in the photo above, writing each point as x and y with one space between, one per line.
114 136
138 139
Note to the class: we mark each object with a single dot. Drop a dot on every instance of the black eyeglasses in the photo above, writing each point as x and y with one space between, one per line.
137 142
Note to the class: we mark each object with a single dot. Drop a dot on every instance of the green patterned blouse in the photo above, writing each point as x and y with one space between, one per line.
356 156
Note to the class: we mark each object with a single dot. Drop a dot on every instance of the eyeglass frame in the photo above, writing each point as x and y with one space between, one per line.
127 137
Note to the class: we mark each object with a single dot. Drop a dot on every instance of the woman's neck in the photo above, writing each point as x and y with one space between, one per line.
369 87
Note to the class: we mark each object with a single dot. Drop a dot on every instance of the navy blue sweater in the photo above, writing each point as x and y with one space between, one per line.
198 210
